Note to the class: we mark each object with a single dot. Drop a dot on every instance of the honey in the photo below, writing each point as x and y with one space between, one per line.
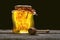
22 17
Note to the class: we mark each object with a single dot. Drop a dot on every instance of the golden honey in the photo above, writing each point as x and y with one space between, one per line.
22 17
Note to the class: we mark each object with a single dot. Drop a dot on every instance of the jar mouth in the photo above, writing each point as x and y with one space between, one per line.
23 6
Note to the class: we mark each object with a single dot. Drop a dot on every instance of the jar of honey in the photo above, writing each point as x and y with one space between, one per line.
22 17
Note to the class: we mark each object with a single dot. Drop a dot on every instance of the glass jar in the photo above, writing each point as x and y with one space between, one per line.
22 17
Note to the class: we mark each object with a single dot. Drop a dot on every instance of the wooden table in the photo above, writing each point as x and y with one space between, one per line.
8 35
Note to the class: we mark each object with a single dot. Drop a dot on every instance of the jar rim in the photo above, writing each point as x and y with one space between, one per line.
23 6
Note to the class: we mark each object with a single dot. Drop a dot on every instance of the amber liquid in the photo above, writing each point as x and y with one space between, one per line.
22 20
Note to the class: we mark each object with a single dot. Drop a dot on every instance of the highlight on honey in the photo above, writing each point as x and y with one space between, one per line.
22 17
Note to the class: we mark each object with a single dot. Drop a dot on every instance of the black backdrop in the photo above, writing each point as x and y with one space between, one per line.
48 13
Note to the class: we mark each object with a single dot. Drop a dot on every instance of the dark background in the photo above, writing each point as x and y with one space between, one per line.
48 13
